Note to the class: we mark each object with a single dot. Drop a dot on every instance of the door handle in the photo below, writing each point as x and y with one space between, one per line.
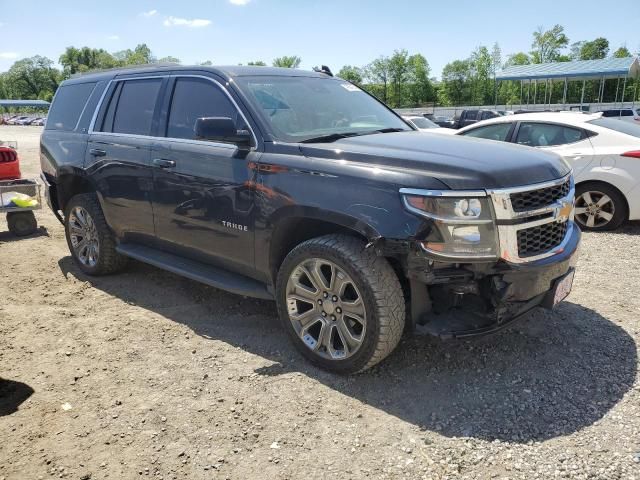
164 163
97 152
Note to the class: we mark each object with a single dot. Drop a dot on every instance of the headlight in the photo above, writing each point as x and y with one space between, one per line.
464 225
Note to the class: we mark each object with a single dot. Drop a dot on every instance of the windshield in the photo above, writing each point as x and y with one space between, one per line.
422 122
303 108
613 124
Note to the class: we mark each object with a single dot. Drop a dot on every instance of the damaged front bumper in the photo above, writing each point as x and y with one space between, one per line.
463 300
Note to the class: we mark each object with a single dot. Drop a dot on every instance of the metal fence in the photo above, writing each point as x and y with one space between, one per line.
453 112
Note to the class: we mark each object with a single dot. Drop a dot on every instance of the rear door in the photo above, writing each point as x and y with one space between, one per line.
203 191
119 154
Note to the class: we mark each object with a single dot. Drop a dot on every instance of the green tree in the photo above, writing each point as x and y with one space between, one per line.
547 45
351 74
622 52
519 58
32 78
141 55
377 73
455 86
169 59
420 87
481 63
287 61
257 63
398 75
593 50
206 63
496 59
78 60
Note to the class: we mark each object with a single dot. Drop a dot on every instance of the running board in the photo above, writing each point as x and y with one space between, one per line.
207 274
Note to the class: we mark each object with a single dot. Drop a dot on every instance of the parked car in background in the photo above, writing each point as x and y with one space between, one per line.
420 122
17 120
603 152
440 120
9 163
39 122
469 117
627 114
24 121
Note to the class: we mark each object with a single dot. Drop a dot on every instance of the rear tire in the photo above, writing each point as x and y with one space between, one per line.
599 207
22 224
91 242
341 304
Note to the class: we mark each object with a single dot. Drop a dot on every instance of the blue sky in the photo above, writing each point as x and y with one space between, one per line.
321 32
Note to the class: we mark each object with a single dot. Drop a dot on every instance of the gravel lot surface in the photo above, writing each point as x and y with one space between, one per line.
147 374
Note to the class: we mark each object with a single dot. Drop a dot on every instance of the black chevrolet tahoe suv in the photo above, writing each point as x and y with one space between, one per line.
302 188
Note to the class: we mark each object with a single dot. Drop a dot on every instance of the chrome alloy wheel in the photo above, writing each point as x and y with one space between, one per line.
326 309
84 237
594 209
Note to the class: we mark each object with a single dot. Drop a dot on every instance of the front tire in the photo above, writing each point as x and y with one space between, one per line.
599 207
90 240
341 304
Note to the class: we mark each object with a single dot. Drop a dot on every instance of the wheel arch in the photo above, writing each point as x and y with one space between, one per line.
70 183
295 225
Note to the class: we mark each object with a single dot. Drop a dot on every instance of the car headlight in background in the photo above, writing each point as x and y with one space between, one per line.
464 222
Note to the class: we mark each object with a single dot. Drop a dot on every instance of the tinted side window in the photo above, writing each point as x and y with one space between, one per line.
627 128
611 113
627 113
135 106
498 132
546 135
471 115
68 105
195 98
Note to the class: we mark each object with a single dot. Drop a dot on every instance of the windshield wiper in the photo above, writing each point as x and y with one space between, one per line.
388 130
332 137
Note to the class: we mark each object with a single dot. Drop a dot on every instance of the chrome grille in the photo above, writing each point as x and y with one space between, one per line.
537 240
534 221
543 197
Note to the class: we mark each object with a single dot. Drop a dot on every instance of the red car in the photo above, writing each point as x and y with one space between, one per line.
9 164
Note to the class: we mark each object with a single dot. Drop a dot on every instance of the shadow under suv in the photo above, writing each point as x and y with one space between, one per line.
299 187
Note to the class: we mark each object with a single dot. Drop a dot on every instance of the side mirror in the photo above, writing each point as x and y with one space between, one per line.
221 129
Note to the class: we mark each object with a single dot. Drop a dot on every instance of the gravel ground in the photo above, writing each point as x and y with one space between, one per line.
149 374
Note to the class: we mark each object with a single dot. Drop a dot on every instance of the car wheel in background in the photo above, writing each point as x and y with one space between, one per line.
599 207
22 224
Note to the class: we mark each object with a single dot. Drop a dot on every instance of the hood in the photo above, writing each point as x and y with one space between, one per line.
461 163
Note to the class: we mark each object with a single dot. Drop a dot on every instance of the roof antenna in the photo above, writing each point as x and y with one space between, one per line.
324 69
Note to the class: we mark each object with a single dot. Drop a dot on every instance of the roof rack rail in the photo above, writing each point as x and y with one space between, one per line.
126 67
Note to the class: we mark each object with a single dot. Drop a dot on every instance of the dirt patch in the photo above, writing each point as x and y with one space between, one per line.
149 374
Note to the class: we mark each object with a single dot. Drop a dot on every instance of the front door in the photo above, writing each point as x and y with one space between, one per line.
203 191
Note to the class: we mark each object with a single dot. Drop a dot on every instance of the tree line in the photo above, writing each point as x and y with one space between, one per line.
37 77
400 79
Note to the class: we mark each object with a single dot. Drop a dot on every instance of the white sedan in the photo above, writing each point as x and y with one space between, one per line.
421 123
603 152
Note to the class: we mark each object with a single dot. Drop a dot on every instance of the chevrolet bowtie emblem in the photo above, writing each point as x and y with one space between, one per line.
564 211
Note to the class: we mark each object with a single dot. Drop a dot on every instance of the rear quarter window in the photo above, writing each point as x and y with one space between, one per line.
622 127
68 105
